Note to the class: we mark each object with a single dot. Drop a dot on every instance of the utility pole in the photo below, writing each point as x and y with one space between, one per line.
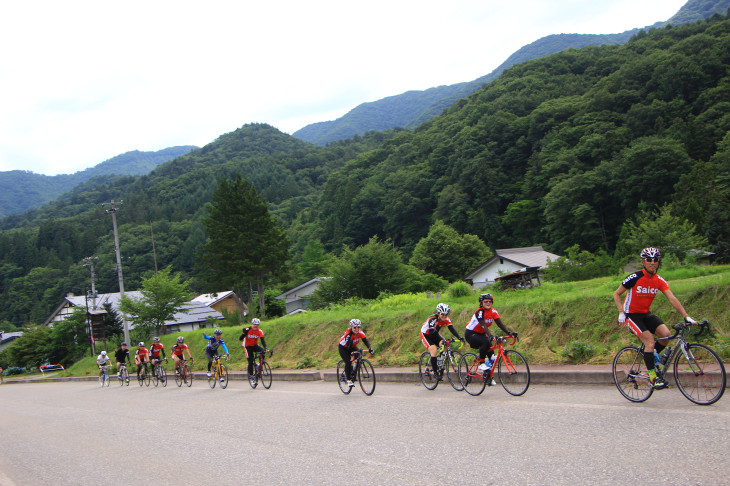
90 263
113 210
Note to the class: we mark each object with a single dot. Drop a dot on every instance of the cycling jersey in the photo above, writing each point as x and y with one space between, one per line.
102 360
155 350
214 344
433 324
142 353
122 355
350 340
488 315
179 348
250 337
642 289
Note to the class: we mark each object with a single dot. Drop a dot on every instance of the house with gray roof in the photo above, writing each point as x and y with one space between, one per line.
507 261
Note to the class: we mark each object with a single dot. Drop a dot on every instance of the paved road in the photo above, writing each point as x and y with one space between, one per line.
310 433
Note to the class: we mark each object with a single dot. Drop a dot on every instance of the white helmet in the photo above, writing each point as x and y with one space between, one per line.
443 309
255 322
355 323
103 353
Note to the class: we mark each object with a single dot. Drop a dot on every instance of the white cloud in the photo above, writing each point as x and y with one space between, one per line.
87 80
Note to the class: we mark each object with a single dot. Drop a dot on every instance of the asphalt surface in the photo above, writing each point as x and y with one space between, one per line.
310 433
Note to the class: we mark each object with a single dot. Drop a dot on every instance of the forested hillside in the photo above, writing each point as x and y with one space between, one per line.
412 108
558 151
23 190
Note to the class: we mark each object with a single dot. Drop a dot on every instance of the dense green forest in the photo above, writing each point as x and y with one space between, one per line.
558 151
23 190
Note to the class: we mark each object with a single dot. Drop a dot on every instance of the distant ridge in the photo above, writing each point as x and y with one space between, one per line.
23 190
410 109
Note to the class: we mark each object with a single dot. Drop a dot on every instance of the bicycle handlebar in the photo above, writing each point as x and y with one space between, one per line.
503 339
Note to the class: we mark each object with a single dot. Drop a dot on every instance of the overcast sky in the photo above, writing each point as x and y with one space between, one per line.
83 81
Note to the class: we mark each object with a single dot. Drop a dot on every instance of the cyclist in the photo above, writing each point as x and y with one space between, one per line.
178 350
250 342
122 356
477 330
155 350
214 342
642 286
102 360
348 344
141 357
430 334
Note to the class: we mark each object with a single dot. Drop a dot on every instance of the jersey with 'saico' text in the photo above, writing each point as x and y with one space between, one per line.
142 353
251 336
433 324
155 349
489 315
641 290
350 339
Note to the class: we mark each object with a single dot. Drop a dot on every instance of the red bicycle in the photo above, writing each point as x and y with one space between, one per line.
512 370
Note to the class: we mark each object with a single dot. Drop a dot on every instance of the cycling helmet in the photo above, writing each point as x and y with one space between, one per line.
486 297
181 339
255 322
123 344
218 332
141 344
355 323
155 339
443 309
651 252
103 353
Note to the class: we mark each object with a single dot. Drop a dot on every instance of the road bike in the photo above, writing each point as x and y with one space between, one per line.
158 373
123 375
143 377
698 371
104 377
362 370
218 372
183 374
448 363
512 370
262 370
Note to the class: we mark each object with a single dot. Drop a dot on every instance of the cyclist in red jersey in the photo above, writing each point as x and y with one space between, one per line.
178 350
250 341
155 351
641 287
430 333
477 330
348 344
141 356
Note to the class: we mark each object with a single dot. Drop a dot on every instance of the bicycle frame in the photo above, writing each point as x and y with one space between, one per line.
501 356
261 358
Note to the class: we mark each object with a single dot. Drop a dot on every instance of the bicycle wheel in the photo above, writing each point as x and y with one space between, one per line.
101 380
146 377
140 378
187 376
213 377
253 378
162 375
630 376
342 379
469 375
428 376
701 375
155 378
223 376
179 377
125 377
514 373
266 375
452 369
107 380
366 377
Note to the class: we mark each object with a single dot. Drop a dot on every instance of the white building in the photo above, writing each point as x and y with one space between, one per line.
509 260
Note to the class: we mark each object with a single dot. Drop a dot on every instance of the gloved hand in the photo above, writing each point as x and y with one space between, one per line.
370 350
622 318
689 320
514 334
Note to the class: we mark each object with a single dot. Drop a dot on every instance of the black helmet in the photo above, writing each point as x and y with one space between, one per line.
486 297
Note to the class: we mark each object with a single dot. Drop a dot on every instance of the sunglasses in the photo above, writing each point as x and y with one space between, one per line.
650 259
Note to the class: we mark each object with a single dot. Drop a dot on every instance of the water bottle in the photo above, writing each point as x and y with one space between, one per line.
665 355
440 360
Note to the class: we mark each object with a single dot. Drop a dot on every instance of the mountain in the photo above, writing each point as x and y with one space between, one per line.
23 190
410 109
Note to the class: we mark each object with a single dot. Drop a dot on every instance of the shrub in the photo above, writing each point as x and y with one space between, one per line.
459 289
578 351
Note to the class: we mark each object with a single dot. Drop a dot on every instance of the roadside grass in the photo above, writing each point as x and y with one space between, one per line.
559 323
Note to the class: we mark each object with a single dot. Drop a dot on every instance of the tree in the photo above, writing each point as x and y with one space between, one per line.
68 340
447 253
162 297
315 261
245 244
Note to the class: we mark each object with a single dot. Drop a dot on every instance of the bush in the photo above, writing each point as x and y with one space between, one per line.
579 351
459 289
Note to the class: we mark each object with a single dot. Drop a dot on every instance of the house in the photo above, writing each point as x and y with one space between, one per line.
507 261
297 299
197 316
8 337
224 302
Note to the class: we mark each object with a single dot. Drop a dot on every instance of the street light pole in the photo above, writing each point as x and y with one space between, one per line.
113 210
